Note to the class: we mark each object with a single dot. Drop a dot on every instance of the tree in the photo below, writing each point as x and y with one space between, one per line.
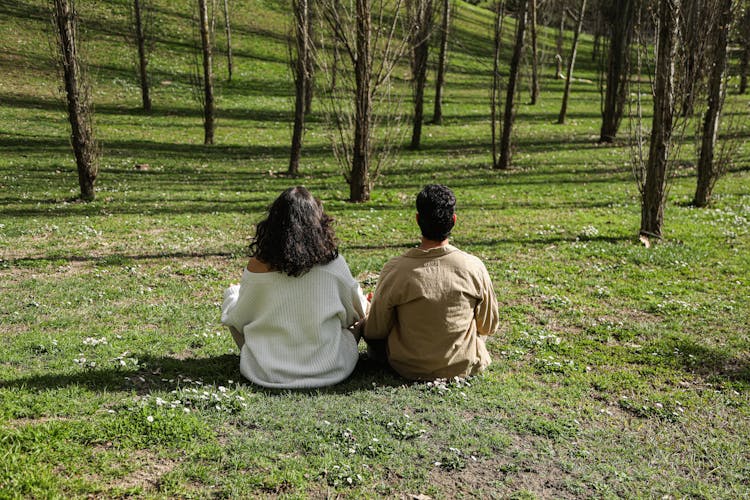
559 42
534 53
361 100
437 115
310 60
209 106
421 14
78 96
300 64
514 71
618 15
709 170
743 28
571 63
228 30
654 189
139 31
496 89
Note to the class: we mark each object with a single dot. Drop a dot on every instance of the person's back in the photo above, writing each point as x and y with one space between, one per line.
295 328
433 303
290 315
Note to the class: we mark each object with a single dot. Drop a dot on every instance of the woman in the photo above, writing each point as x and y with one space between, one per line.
290 315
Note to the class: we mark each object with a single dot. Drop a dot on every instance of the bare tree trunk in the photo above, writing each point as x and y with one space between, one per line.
78 98
744 59
598 30
708 171
620 21
559 42
571 63
655 185
310 63
421 19
437 116
495 92
515 65
743 29
302 40
359 184
228 29
209 106
534 54
140 39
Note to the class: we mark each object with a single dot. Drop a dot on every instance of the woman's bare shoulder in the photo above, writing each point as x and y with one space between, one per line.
256 266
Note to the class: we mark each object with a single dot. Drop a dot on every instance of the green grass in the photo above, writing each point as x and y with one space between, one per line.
619 371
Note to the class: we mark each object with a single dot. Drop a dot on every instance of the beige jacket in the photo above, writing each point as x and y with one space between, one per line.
432 306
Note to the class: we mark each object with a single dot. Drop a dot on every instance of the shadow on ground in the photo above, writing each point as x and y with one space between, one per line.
166 373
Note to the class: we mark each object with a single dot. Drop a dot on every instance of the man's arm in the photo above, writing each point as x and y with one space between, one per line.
486 313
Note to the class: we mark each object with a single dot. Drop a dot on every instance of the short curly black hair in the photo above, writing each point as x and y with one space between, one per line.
436 205
296 235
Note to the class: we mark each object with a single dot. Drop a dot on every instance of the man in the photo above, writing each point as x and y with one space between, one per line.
433 303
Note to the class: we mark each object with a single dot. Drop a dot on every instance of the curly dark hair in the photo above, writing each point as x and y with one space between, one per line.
296 235
436 205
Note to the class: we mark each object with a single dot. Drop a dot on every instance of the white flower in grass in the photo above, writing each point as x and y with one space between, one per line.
150 419
588 232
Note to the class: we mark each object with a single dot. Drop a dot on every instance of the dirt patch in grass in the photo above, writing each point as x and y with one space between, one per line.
503 476
147 473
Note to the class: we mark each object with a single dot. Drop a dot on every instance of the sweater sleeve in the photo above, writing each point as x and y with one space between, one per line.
358 311
351 296
486 313
229 306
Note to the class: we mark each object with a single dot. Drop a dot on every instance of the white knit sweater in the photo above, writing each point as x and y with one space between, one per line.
295 328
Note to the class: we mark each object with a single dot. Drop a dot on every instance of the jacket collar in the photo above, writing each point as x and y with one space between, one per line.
431 253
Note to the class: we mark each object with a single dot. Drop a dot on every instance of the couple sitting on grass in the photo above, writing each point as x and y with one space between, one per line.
297 314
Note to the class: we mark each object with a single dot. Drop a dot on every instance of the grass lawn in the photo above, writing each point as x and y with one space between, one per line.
618 371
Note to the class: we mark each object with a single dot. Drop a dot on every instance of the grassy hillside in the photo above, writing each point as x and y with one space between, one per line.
618 370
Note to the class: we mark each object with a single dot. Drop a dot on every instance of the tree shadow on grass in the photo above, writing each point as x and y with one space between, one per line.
167 373
712 362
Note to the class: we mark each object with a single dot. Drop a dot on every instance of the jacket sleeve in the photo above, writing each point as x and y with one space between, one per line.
486 313
381 317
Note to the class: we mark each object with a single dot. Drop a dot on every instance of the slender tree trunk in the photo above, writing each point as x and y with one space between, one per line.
655 185
744 59
78 98
437 117
421 15
228 29
359 183
209 106
708 171
301 30
559 42
620 20
571 63
495 92
310 63
597 44
509 114
140 39
743 36
534 54
334 66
